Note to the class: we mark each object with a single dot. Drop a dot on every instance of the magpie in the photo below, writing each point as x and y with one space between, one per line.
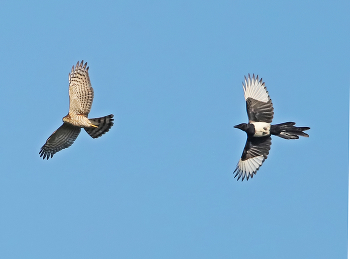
259 128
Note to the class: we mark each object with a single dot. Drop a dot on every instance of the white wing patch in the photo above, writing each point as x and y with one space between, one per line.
255 89
249 167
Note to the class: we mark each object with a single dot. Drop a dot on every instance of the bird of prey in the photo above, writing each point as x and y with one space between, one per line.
81 95
259 128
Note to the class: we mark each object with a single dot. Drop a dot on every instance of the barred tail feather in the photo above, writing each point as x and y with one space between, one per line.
287 130
103 125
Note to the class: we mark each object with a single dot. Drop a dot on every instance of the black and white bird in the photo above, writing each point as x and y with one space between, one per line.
259 128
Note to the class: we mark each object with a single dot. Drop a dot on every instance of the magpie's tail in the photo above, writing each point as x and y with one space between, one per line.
287 130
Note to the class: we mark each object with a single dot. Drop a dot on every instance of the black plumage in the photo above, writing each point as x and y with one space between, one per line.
259 129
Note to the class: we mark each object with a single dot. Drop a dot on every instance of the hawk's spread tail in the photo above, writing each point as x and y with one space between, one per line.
103 125
287 130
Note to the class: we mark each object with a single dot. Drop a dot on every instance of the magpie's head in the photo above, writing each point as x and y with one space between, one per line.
242 126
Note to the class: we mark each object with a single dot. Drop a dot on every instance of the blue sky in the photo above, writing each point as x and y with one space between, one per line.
160 183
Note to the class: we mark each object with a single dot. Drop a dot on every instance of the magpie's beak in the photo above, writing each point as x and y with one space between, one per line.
236 126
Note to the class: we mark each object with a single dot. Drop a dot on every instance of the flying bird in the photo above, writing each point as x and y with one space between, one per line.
259 128
81 95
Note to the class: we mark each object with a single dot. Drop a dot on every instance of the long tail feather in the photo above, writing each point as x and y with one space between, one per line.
287 130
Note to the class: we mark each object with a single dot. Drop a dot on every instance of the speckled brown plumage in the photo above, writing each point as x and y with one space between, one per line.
81 95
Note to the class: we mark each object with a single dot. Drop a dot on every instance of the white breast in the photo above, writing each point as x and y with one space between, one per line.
262 129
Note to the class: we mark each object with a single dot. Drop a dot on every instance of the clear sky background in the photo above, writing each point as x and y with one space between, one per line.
160 183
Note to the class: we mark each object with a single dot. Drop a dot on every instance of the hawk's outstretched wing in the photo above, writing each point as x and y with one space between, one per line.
81 93
259 105
62 138
254 154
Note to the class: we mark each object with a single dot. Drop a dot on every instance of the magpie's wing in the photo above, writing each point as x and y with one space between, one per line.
259 105
254 154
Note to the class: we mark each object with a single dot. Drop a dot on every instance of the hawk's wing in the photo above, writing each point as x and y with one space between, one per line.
254 154
259 105
81 93
62 138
